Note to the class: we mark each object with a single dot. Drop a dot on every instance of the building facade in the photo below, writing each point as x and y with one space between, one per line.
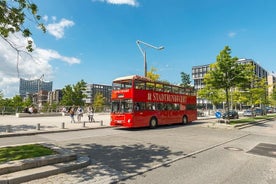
198 73
54 97
93 89
271 81
29 87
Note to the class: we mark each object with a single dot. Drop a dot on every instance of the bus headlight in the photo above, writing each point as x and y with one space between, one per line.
129 120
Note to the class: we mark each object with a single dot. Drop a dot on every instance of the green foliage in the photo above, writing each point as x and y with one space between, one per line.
213 95
185 79
227 73
98 102
73 95
273 97
28 102
17 101
13 15
152 75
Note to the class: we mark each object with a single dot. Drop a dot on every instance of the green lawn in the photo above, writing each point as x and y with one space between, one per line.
22 152
252 119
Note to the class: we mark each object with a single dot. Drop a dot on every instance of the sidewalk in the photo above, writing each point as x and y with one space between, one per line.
10 125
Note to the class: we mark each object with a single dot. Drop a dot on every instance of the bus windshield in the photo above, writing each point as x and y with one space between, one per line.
122 106
122 85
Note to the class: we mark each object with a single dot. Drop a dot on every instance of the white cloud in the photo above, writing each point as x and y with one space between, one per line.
232 34
45 18
57 29
31 65
120 2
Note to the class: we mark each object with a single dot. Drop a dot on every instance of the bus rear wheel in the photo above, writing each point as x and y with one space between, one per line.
184 120
153 123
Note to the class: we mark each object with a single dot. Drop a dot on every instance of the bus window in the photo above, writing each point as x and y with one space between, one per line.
159 87
150 106
140 84
176 106
175 89
139 106
121 106
167 88
122 85
150 86
159 106
182 91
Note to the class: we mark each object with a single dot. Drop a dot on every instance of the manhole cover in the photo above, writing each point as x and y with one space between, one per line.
233 149
264 149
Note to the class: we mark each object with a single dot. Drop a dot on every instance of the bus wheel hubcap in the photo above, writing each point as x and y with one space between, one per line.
153 123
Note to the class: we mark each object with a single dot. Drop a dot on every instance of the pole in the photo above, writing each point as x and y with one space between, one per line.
138 42
145 64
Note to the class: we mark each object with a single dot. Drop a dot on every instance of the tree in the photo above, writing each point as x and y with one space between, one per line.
12 18
185 79
226 73
152 75
27 102
98 102
73 95
79 88
273 96
213 95
17 102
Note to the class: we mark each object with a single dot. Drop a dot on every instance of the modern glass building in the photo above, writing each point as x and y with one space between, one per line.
198 73
27 87
93 89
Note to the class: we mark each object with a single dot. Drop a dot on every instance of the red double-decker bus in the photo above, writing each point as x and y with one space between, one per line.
140 102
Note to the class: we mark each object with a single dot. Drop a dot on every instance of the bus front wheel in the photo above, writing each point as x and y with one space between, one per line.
153 123
184 120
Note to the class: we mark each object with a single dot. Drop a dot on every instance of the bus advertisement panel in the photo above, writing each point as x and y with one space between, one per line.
139 102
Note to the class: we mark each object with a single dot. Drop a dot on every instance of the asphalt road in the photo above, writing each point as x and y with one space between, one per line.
168 154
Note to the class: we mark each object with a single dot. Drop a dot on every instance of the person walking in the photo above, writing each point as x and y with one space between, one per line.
79 113
71 112
90 112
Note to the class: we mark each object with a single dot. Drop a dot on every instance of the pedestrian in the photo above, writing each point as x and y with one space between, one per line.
63 111
31 109
79 113
90 112
71 112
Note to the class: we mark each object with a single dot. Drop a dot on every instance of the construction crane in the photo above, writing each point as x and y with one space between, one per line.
40 80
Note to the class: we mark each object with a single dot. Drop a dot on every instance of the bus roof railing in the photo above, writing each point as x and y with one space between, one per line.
133 77
146 79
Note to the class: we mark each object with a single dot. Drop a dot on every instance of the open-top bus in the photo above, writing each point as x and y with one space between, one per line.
140 102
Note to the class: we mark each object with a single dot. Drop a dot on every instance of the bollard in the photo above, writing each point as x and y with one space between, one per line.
101 122
38 126
8 128
62 125
83 124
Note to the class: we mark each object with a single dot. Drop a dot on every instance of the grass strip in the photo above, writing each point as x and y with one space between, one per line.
12 153
252 119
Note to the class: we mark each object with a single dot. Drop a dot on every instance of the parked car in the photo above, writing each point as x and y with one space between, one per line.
249 113
259 112
231 115
269 110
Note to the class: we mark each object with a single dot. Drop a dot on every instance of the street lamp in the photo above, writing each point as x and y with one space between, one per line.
138 42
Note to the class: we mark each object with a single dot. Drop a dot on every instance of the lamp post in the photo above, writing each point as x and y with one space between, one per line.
138 42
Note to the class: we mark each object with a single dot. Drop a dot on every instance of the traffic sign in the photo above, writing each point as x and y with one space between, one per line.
218 114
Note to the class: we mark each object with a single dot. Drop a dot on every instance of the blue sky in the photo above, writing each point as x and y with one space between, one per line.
95 40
